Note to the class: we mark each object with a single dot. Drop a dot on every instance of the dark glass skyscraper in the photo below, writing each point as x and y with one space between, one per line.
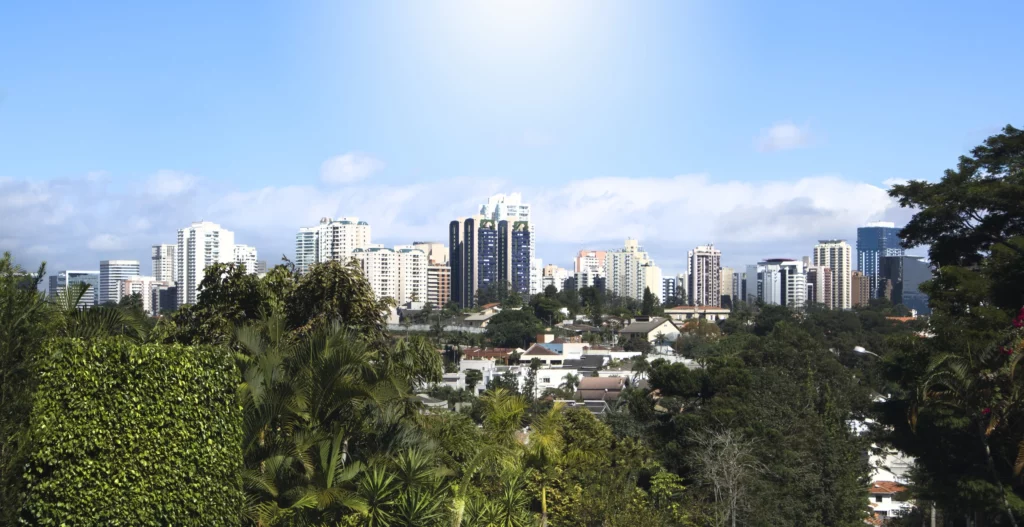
874 242
485 253
906 273
519 257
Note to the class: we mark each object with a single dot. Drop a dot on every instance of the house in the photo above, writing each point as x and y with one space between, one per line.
543 354
478 320
884 501
496 354
652 329
684 313
595 407
429 403
600 388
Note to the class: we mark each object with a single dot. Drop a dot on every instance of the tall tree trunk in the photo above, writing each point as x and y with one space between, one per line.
543 506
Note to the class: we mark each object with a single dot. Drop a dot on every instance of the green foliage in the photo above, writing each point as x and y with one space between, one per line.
513 328
130 434
650 305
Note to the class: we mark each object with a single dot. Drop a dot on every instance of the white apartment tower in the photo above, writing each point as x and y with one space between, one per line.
245 256
628 271
782 282
165 264
112 273
835 254
200 245
705 266
399 274
332 240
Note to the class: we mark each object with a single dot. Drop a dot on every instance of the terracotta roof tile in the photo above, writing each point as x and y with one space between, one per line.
885 487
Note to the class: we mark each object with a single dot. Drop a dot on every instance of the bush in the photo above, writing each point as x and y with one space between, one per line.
134 434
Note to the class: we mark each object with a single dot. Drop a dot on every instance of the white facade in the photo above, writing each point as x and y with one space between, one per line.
835 254
589 261
554 275
588 278
726 281
399 273
245 256
783 283
112 273
705 265
200 245
60 281
165 263
148 288
536 272
628 270
437 253
332 240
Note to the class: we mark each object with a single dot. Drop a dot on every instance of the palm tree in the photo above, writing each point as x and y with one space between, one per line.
544 450
571 382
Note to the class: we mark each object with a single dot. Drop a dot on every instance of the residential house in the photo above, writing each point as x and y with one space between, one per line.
885 501
653 329
684 313
600 388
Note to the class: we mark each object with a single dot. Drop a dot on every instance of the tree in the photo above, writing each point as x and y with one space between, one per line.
334 292
547 309
512 329
473 378
551 291
725 462
530 384
637 343
650 306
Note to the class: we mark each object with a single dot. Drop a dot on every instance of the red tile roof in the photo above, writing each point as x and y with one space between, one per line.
489 306
487 353
537 350
885 487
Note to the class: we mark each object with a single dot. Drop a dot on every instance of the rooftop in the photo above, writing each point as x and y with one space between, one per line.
885 487
644 327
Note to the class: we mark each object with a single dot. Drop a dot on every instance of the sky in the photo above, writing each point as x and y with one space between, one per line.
760 127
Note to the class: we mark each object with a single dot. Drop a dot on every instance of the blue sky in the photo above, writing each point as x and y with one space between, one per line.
754 125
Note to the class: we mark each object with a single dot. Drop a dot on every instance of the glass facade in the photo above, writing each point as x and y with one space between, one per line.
487 254
875 242
906 273
520 257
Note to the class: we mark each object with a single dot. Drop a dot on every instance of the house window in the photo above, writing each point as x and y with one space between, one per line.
877 498
545 379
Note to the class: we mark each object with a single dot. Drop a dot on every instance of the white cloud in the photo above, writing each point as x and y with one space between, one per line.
784 136
168 183
349 168
747 220
105 242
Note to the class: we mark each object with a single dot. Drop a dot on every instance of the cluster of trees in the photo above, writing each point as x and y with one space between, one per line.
283 400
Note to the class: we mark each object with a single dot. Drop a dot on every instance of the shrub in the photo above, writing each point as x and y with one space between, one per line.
134 434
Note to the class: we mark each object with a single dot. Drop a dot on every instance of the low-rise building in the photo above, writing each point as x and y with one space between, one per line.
600 388
683 313
653 329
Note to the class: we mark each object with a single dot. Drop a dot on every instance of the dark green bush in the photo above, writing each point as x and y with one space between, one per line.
134 434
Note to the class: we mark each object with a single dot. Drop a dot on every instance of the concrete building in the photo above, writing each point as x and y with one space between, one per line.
669 288
437 253
589 260
331 240
739 287
726 280
628 271
782 282
860 289
874 242
439 284
60 281
554 275
245 256
751 285
904 275
200 245
165 263
112 273
261 267
819 285
835 254
705 265
399 273
149 290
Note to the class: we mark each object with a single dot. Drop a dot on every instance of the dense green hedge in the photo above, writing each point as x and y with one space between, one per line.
134 434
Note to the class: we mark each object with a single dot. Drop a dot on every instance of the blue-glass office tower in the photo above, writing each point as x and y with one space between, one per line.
485 253
906 273
874 242
518 259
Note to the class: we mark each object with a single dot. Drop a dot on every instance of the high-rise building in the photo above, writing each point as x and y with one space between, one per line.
835 254
510 208
484 253
261 266
874 242
245 256
165 263
705 264
588 260
727 286
629 271
439 285
112 273
860 289
60 281
200 245
752 285
332 240
782 282
399 274
669 288
437 253
148 288
554 275
904 275
739 287
819 285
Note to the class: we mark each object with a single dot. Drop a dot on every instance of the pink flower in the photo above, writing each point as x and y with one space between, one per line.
1019 321
986 411
1005 351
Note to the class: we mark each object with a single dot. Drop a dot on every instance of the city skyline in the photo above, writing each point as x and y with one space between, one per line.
274 120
